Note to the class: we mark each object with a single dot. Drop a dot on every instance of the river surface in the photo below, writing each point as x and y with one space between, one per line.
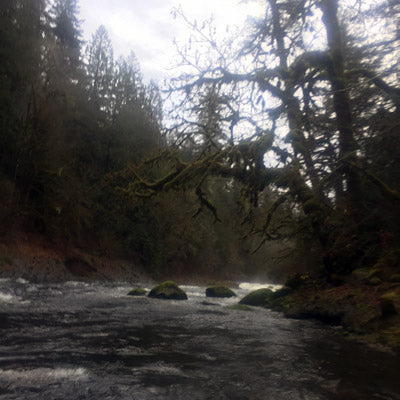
90 341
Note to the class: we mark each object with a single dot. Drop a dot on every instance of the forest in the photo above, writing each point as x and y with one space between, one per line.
273 152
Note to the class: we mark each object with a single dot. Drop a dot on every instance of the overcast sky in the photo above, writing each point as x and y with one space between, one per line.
148 28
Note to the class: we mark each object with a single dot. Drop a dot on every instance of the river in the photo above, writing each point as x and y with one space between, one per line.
80 340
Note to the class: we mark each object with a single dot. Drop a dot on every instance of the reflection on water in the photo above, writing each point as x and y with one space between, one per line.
92 341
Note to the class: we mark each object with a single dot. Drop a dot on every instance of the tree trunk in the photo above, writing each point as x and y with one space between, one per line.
342 107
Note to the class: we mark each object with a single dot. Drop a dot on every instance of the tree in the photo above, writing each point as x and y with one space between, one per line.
293 120
21 31
66 29
100 70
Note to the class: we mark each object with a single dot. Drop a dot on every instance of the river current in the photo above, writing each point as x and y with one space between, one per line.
80 340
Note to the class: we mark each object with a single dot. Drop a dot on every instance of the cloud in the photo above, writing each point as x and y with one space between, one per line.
148 29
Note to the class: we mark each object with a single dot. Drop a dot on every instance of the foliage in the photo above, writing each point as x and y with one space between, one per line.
297 107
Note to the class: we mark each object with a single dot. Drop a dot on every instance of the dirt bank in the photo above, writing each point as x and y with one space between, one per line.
34 259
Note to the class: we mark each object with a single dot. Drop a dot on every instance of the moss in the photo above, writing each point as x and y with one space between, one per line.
361 273
239 307
296 281
374 281
391 336
219 291
168 290
137 292
284 304
258 297
395 278
374 273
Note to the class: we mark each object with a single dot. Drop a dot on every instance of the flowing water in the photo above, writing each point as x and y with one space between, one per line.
91 341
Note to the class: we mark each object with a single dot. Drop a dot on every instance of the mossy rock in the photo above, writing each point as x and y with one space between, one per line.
219 291
137 292
258 297
168 290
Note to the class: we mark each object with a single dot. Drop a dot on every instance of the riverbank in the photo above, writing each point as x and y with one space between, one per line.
31 258
368 311
366 304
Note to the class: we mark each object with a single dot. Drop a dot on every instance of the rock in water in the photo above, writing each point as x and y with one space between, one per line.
219 291
258 297
168 290
137 292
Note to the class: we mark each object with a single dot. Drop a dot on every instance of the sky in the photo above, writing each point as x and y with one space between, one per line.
148 28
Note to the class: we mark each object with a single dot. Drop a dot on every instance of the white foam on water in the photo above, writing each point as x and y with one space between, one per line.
194 291
44 374
160 368
76 284
7 298
249 286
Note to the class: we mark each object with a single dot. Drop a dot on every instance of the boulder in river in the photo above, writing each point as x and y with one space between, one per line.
137 292
219 291
258 297
168 290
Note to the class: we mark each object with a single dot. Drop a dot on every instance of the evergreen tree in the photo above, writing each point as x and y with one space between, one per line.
100 70
66 29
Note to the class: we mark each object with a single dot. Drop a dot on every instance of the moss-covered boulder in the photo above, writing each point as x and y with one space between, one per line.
259 297
219 291
137 292
168 290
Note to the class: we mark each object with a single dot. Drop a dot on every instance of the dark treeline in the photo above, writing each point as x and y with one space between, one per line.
76 125
288 143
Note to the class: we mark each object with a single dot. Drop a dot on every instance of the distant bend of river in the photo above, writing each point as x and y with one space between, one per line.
90 341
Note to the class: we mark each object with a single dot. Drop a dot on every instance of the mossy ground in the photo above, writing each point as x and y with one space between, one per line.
371 311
